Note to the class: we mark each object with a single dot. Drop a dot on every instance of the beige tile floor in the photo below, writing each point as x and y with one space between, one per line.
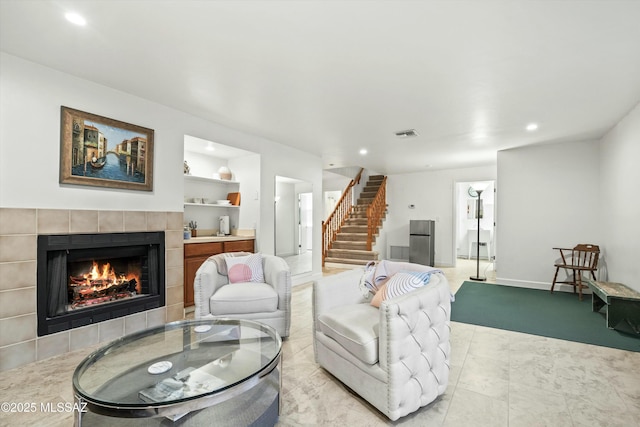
498 378
299 264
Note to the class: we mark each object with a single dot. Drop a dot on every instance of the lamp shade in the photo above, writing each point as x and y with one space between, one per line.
479 186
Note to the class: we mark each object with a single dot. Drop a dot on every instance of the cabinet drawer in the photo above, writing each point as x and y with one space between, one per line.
198 249
239 245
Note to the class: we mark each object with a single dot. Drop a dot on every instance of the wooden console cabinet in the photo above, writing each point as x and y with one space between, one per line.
196 253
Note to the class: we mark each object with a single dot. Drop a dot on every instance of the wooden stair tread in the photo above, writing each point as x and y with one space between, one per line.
350 244
354 251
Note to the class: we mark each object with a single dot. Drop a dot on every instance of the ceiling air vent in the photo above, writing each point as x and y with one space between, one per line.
407 133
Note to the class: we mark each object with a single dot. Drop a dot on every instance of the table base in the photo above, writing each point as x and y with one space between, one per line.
258 406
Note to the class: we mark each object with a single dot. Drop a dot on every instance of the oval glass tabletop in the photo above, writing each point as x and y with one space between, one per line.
187 365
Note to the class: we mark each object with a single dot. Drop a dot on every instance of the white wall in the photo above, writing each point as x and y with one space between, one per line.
30 141
246 169
330 201
335 183
31 96
548 196
289 162
204 165
332 187
433 194
619 200
285 208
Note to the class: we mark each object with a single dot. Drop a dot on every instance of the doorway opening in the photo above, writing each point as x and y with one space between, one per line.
468 216
294 223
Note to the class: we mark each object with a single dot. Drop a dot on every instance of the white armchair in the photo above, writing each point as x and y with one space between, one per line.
395 357
268 302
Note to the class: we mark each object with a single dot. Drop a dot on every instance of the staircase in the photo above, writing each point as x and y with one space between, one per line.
352 238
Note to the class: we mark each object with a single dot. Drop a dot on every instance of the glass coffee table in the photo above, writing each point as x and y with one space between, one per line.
188 373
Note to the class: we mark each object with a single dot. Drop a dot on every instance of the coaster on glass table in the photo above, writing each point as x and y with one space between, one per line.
160 367
202 328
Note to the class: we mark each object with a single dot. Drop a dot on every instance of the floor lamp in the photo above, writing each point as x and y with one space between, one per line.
479 188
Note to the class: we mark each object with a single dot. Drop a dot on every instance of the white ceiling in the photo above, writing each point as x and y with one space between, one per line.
332 77
213 149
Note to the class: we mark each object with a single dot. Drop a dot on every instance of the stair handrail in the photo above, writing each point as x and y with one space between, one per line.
336 219
375 212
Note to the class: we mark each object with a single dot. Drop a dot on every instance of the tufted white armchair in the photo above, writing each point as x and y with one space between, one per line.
395 357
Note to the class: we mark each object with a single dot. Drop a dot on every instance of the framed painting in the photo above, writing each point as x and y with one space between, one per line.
102 152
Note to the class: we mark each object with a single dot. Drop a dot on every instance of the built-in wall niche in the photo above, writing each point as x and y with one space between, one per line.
207 184
293 214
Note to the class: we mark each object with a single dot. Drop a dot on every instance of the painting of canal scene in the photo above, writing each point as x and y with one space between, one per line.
104 152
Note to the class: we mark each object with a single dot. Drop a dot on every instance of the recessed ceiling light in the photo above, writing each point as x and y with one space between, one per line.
75 18
210 147
532 126
363 151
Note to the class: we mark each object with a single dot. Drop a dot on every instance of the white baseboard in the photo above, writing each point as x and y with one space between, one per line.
560 287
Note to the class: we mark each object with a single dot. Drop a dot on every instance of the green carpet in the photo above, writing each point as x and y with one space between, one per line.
532 311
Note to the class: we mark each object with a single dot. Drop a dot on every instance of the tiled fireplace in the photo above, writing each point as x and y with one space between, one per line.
21 340
89 278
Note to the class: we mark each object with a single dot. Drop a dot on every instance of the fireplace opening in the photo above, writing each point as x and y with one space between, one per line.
97 280
89 278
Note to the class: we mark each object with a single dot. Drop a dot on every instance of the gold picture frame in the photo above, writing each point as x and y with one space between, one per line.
102 152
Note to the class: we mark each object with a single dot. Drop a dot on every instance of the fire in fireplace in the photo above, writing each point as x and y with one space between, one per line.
101 284
89 278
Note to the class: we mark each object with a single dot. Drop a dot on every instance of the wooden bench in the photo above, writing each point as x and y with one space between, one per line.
623 304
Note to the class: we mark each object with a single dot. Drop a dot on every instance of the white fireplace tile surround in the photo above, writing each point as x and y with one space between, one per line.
19 228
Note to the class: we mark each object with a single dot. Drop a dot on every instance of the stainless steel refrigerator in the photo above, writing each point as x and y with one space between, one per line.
421 241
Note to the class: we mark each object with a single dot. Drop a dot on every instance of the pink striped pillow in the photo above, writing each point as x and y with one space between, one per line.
245 268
